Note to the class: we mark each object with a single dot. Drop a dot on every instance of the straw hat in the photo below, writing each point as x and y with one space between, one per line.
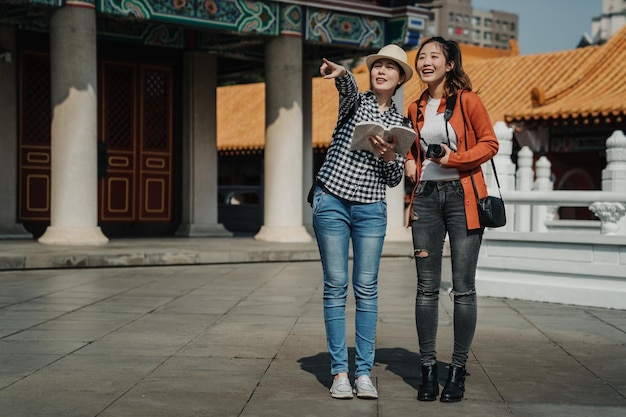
395 53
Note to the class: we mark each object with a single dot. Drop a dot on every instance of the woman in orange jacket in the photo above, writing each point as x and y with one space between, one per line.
445 157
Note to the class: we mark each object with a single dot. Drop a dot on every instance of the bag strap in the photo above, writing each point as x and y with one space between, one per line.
493 165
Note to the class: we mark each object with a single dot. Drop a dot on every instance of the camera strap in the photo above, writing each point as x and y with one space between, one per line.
450 102
493 164
447 114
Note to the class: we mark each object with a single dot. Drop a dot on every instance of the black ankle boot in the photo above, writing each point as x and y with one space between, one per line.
429 388
455 385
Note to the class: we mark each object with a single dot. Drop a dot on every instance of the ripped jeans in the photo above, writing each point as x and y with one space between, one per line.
439 208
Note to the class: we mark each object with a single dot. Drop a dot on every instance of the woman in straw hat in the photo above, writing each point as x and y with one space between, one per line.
349 204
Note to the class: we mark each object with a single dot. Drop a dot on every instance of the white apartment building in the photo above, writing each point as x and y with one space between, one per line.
613 17
457 20
493 28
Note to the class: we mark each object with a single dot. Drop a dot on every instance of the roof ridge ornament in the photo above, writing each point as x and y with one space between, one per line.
538 96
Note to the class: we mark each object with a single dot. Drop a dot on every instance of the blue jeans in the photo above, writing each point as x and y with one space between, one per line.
336 221
439 208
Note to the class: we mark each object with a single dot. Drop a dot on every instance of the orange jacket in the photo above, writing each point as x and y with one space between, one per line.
481 141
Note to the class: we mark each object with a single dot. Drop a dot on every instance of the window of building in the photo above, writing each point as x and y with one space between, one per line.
459 17
476 21
487 36
488 23
451 17
512 26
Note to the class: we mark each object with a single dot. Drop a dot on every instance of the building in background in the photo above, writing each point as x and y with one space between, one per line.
493 28
457 20
603 27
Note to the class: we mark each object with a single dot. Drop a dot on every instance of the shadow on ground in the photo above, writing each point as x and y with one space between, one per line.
399 361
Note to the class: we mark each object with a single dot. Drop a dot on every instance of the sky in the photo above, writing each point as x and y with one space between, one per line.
547 25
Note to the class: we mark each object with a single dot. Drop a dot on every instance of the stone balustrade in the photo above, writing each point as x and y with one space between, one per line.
541 258
531 201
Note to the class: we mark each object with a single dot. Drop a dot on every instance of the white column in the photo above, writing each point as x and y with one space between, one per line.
307 146
282 210
524 182
9 228
199 216
614 174
397 230
74 135
505 169
543 182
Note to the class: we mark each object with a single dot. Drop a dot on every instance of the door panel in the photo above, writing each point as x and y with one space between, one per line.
138 139
156 144
34 150
117 130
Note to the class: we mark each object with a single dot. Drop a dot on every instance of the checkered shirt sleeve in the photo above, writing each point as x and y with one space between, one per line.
359 176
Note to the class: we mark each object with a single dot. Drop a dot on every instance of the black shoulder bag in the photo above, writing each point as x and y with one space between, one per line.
491 210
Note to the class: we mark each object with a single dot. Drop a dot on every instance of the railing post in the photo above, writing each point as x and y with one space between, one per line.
505 168
523 182
614 175
541 214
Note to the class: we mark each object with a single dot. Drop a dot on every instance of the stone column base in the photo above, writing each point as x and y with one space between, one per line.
202 230
74 236
283 234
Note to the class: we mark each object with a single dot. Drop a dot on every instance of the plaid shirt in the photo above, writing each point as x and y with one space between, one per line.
359 176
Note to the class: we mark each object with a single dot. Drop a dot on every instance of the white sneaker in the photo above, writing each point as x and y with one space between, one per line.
341 388
364 388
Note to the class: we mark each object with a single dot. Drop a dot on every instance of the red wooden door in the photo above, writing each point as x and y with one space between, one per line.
135 141
34 151
136 129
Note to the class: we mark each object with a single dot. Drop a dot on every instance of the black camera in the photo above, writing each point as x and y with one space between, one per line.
435 151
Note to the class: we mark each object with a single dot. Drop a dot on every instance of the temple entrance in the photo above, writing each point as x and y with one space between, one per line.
136 146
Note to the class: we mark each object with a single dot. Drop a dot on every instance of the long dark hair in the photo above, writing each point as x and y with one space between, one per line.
456 79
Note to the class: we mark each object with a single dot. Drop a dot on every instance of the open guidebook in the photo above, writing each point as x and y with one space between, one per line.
362 130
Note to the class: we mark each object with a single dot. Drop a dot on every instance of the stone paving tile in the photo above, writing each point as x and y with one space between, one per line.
559 409
248 340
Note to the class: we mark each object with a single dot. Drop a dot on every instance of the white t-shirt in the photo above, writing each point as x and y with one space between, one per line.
434 132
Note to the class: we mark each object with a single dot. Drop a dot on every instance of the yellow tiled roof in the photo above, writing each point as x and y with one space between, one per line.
241 117
584 83
580 83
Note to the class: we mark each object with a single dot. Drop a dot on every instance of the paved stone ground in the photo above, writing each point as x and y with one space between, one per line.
247 339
